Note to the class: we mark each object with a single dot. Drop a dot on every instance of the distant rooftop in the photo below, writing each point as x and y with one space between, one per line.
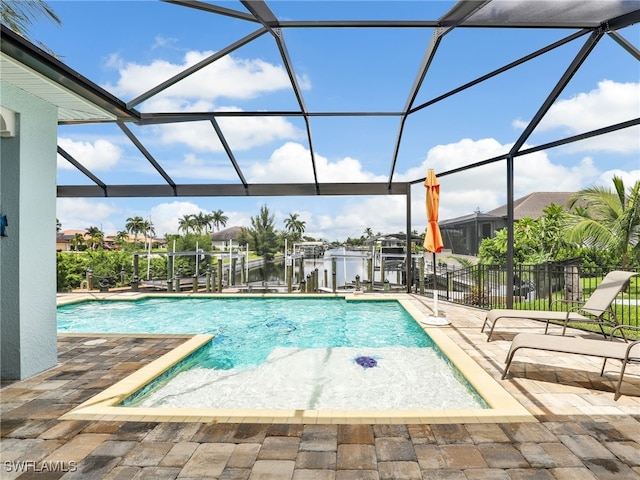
533 204
231 233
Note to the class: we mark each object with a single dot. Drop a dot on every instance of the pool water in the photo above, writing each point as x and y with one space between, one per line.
247 329
286 353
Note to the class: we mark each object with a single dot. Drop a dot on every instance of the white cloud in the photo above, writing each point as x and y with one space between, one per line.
165 216
240 133
482 188
519 124
536 173
611 102
344 170
289 163
114 61
292 163
629 178
461 194
454 155
245 133
160 41
197 167
96 156
80 213
228 77
485 187
381 213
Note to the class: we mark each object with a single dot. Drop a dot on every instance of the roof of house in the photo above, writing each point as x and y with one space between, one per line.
66 235
231 233
533 204
472 217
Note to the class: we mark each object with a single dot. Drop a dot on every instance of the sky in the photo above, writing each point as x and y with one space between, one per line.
129 47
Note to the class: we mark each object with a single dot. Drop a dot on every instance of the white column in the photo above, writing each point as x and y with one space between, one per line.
28 336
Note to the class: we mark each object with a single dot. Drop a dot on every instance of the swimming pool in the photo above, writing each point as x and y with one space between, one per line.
247 329
286 353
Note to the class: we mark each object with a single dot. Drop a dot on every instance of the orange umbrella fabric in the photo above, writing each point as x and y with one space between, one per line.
433 238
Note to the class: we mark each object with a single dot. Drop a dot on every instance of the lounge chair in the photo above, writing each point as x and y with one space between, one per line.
614 348
597 309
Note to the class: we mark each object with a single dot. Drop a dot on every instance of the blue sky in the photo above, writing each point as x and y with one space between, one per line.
129 47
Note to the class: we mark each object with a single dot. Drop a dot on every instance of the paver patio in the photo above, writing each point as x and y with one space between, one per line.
581 434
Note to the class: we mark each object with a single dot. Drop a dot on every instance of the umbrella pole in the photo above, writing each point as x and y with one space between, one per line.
435 287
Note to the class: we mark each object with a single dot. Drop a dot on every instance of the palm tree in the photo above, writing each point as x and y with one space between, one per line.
203 222
294 226
134 225
96 237
121 237
151 231
607 219
186 223
76 241
219 218
368 233
19 15
148 231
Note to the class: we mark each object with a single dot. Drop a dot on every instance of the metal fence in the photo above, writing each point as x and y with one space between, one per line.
535 287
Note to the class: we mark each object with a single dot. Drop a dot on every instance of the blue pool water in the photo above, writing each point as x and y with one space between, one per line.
247 329
286 353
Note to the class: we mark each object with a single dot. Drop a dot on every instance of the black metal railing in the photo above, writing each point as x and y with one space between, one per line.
535 287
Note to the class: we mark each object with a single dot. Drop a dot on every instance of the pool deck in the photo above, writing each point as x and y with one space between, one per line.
580 432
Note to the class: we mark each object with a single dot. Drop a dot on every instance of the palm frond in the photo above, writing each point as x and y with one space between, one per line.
20 15
590 233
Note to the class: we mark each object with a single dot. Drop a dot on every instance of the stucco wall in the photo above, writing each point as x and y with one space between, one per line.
27 254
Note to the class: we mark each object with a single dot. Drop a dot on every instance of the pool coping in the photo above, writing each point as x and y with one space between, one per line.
504 408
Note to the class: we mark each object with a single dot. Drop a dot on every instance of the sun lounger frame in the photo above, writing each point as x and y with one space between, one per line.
590 311
614 348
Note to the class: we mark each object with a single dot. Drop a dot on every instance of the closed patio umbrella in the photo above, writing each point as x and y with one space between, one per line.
433 238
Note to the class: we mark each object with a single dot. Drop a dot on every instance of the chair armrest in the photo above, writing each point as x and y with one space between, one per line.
622 328
599 320
590 311
629 348
561 300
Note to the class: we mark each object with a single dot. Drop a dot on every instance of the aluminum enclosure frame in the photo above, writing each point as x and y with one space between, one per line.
463 14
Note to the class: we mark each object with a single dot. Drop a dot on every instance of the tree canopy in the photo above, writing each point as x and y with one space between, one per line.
602 226
608 219
262 236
